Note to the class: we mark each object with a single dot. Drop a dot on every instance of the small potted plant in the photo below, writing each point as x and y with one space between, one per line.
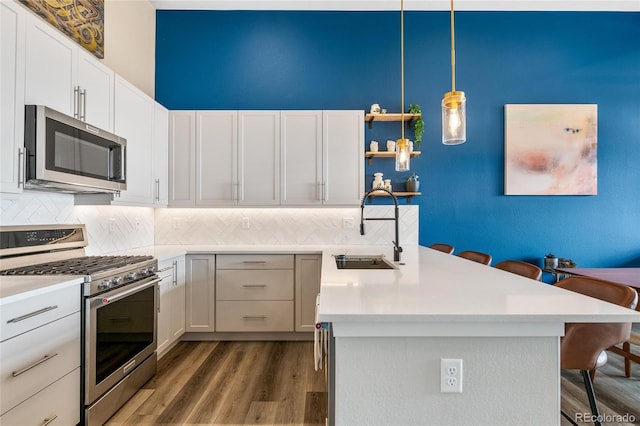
418 125
413 183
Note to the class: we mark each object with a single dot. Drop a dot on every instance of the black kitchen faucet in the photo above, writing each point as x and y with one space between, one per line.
396 244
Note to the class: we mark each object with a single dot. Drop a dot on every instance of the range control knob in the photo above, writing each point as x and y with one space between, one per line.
103 285
115 281
131 276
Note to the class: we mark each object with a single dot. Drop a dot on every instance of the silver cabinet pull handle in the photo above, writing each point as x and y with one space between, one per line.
76 100
49 420
22 167
35 364
254 261
254 285
157 189
254 317
83 104
175 272
32 314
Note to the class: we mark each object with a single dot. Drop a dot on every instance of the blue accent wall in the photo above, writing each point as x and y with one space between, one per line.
349 60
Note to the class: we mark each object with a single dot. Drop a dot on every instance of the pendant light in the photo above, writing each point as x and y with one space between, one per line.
402 145
454 120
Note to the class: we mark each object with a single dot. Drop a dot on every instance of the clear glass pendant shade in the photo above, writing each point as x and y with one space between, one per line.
403 156
454 120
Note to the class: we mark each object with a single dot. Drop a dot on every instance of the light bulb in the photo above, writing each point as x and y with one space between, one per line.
454 126
402 155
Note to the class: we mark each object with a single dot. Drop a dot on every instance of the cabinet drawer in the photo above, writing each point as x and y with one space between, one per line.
24 315
254 261
34 360
254 316
57 404
276 284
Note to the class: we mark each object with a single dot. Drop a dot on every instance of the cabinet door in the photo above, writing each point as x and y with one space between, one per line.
182 153
259 157
178 297
200 293
50 71
216 173
301 157
307 284
343 152
134 122
12 37
160 155
164 311
96 85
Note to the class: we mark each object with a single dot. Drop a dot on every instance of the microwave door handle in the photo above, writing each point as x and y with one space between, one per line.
124 163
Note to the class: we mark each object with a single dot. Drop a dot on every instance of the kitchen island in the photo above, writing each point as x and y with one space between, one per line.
391 329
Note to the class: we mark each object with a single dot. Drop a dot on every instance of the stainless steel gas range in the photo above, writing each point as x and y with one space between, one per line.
119 314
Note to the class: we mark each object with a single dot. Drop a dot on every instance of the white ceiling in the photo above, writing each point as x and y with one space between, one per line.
362 5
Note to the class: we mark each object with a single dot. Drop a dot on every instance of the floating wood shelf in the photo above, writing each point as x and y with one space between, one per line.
385 154
395 116
397 194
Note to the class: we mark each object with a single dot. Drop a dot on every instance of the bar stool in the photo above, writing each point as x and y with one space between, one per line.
476 256
521 268
583 345
445 248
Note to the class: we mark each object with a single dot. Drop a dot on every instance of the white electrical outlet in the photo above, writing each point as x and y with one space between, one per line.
138 223
111 225
451 375
245 223
348 223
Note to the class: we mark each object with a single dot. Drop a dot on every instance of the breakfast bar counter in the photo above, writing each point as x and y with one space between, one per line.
391 329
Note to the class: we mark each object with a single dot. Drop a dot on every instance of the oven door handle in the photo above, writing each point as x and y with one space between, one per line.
130 291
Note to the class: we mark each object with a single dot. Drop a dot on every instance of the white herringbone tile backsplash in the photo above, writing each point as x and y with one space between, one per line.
110 228
307 226
115 228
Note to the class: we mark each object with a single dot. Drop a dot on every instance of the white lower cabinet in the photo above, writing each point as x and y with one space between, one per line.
308 270
200 292
57 404
40 359
250 292
171 313
254 292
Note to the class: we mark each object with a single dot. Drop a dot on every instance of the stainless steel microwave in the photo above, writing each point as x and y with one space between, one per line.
69 155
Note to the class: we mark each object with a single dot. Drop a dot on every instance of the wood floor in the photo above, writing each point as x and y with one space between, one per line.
231 383
273 383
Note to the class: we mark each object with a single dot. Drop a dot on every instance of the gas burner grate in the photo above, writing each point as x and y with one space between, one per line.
86 265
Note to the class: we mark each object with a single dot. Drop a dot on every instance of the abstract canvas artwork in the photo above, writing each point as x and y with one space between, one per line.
551 149
82 20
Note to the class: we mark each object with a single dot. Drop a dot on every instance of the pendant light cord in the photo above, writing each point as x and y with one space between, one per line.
453 52
402 66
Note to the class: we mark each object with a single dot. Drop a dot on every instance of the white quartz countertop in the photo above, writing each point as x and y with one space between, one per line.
15 288
440 288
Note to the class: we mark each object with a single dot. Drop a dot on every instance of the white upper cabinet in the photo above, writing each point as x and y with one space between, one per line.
265 158
259 157
343 162
301 153
160 146
216 160
96 91
12 19
60 75
134 122
182 154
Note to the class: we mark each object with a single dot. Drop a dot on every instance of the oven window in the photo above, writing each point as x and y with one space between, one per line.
124 328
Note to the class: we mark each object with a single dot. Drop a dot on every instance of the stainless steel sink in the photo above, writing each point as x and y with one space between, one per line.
344 261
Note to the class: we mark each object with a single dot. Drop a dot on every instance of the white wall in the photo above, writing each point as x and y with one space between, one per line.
396 381
283 226
130 41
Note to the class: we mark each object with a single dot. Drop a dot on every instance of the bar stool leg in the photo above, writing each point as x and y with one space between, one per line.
592 397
